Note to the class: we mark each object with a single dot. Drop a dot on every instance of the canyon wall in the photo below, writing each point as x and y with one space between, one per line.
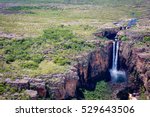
135 59
95 66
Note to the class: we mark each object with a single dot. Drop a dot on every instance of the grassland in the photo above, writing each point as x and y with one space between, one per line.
39 37
30 21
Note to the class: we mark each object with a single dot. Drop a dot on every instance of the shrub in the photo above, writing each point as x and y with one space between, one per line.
2 89
22 50
77 40
9 58
37 58
124 38
57 34
142 93
146 39
61 60
102 92
29 65
13 89
19 8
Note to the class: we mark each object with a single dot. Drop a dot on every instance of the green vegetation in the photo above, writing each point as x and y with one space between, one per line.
31 19
20 50
11 93
2 89
146 39
29 65
7 88
124 38
57 44
102 92
142 93
47 37
24 8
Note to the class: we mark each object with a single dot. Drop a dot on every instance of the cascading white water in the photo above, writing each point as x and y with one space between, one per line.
115 55
116 75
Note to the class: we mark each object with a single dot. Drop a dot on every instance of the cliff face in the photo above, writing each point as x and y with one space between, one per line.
95 67
135 59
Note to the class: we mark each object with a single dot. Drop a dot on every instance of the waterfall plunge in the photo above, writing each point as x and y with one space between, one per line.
116 75
115 55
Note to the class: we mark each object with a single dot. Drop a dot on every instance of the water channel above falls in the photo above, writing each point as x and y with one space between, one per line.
116 74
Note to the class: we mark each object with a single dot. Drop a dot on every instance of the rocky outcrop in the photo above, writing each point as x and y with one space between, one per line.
39 86
56 86
19 83
32 94
135 59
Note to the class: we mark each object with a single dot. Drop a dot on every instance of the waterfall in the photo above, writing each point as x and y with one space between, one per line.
116 75
115 55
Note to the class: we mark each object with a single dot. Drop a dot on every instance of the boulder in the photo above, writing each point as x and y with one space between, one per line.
19 83
32 94
40 88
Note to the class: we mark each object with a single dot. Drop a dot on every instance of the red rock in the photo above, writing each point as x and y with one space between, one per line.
137 62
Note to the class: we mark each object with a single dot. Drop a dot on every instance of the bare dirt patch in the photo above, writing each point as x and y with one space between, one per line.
9 35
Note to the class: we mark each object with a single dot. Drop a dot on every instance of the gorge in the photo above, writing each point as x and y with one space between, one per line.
123 65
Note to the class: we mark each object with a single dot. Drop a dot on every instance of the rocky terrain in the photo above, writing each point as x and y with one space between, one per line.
60 65
94 67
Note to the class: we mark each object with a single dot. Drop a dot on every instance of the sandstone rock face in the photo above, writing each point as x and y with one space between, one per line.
61 86
95 66
39 86
71 80
136 60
